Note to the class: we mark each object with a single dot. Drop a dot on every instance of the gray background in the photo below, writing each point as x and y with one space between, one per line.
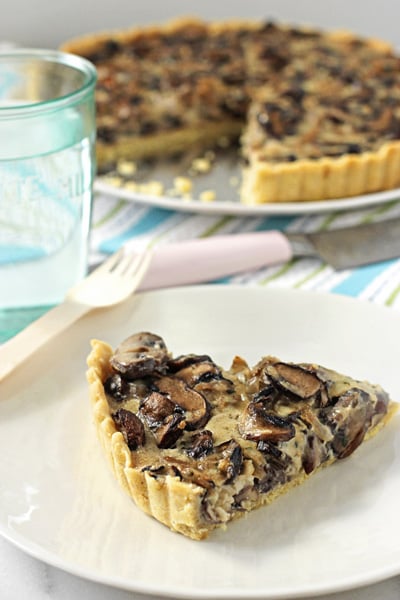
46 23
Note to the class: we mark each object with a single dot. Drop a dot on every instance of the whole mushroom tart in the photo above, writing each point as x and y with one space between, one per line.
197 446
318 113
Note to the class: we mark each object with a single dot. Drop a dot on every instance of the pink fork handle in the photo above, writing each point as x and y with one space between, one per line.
207 259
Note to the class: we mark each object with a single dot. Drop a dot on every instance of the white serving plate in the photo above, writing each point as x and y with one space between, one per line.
219 179
60 503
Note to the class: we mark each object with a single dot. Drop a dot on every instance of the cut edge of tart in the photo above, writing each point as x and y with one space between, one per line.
203 134
352 81
194 501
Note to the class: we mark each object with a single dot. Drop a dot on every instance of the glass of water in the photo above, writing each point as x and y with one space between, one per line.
47 165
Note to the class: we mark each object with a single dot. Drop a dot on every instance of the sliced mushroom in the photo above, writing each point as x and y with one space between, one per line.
200 444
294 378
185 360
224 463
140 355
256 423
346 447
217 388
185 471
219 467
314 453
267 395
155 408
167 434
231 459
196 406
198 372
117 387
303 381
310 418
201 373
164 418
275 466
131 427
349 419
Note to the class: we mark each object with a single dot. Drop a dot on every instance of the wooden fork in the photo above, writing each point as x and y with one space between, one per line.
112 282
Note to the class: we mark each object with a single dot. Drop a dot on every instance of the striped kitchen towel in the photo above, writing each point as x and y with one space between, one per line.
116 220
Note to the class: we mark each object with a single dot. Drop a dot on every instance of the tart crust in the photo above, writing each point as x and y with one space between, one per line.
170 501
175 503
322 179
307 178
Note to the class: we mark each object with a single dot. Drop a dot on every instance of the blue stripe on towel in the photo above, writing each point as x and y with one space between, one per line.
360 278
271 223
152 218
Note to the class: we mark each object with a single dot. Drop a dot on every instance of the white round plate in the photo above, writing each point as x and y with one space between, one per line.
60 502
232 205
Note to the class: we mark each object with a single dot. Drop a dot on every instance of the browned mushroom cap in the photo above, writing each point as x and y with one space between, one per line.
164 418
198 372
196 406
301 381
202 374
256 423
294 379
167 434
140 355
185 360
156 407
131 427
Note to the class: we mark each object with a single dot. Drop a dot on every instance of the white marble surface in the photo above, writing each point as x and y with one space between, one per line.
22 576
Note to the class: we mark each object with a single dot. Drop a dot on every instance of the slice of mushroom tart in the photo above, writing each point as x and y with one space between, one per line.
196 446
